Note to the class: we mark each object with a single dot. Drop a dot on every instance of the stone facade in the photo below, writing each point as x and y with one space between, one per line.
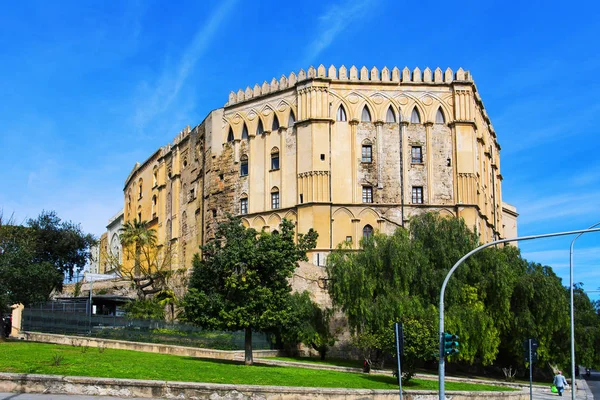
345 152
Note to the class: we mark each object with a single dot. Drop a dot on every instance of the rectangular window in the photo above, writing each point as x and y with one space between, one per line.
416 154
367 194
417 195
244 168
275 200
244 206
274 161
349 239
367 153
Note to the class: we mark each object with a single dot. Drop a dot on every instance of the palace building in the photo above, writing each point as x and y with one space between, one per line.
344 151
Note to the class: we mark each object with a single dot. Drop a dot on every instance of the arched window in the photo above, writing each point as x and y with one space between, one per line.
260 129
366 115
292 119
275 232
439 117
274 158
244 132
415 117
154 177
230 136
184 224
140 188
275 123
154 203
390 117
244 165
341 114
244 204
367 231
275 198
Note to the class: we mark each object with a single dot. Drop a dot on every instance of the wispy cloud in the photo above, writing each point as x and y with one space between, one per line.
169 85
332 22
560 206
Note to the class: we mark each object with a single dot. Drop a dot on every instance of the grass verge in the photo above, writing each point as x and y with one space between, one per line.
41 358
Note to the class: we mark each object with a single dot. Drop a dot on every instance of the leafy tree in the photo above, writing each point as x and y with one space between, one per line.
242 280
307 323
35 258
150 309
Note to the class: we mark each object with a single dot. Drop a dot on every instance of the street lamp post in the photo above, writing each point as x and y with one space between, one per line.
573 386
442 394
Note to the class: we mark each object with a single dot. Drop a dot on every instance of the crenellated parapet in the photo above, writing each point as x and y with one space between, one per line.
385 75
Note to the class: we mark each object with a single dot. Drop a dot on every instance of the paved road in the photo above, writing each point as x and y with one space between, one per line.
594 383
25 396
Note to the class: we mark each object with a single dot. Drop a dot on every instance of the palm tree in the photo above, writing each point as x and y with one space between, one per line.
138 234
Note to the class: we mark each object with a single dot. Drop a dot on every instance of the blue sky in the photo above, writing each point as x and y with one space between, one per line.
88 88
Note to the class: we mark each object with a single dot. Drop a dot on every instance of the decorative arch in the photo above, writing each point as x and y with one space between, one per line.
260 129
390 115
246 223
408 106
274 220
245 132
230 136
275 125
367 142
274 150
343 210
184 223
368 212
415 116
440 118
258 223
291 118
365 114
291 216
340 114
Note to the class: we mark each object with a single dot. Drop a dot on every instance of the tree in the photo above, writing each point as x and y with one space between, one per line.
307 323
373 288
242 280
152 270
35 258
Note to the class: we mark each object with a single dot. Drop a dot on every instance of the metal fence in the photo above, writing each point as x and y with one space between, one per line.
69 322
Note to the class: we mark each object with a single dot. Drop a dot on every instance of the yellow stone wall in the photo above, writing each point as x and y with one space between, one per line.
321 173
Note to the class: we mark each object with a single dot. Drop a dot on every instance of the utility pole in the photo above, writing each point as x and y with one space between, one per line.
442 390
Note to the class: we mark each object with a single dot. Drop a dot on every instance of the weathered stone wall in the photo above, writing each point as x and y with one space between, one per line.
52 384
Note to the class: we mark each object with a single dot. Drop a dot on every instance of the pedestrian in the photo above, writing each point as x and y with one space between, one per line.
560 382
577 371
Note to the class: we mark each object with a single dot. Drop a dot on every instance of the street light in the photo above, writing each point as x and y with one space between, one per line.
442 393
573 389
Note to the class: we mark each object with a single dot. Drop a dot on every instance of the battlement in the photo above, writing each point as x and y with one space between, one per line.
427 76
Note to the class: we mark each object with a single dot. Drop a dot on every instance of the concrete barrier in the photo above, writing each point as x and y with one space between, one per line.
53 384
145 347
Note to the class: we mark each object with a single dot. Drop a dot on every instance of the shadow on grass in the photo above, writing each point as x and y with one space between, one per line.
230 362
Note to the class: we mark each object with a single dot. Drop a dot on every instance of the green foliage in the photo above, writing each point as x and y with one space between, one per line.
307 323
35 258
145 309
494 301
241 282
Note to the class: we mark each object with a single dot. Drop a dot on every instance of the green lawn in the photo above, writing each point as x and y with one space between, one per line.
40 358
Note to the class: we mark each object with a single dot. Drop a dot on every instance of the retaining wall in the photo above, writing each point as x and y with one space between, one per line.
31 383
146 347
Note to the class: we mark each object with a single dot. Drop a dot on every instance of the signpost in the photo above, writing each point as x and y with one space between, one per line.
530 346
399 330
